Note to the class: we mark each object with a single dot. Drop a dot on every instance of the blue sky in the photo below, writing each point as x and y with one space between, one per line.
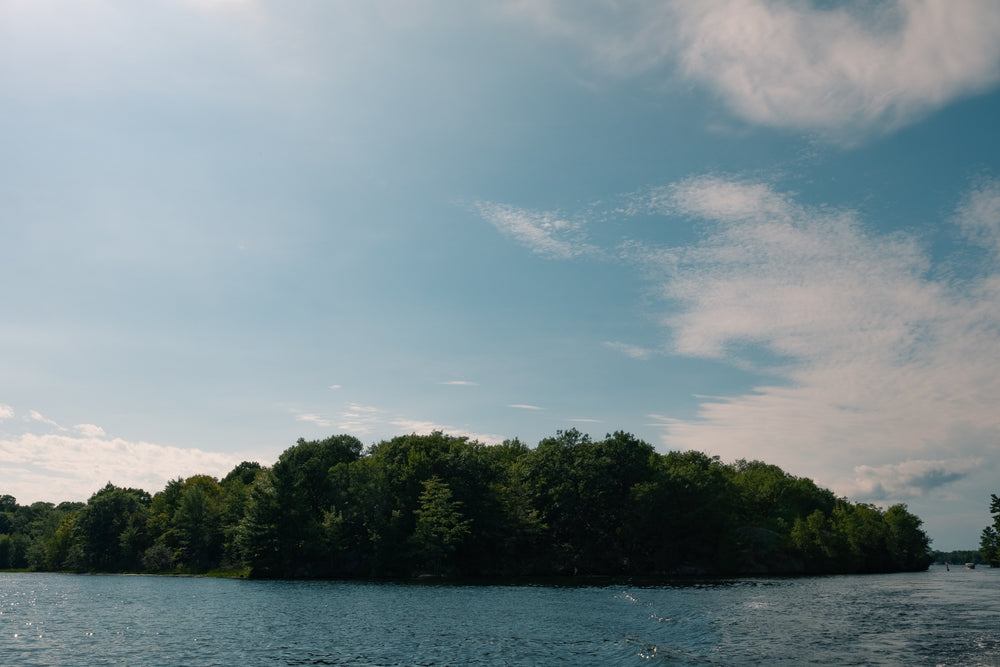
762 230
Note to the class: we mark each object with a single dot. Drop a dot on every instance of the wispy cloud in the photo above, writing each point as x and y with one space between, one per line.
460 383
359 419
313 419
839 71
90 430
523 406
421 427
633 351
979 215
368 420
876 357
6 412
544 233
661 421
878 360
36 416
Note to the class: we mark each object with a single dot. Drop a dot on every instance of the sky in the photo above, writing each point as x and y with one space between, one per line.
760 230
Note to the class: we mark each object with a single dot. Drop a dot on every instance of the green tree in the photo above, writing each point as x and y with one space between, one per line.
909 546
113 529
8 503
818 541
305 492
197 523
440 525
162 509
45 519
64 549
258 536
990 540
989 546
235 496
865 534
8 552
683 515
511 534
376 518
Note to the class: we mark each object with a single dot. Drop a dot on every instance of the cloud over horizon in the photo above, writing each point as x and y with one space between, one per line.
874 358
910 478
878 360
57 465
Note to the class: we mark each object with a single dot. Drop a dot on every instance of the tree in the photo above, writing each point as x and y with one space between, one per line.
113 529
909 546
197 522
440 526
8 503
990 539
305 492
817 540
683 516
989 546
235 496
257 536
376 518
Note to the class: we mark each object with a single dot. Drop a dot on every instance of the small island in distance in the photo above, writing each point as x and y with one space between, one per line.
445 506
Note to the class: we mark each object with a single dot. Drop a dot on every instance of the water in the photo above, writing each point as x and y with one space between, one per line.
926 618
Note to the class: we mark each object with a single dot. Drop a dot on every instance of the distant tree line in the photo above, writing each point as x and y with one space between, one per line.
989 543
959 557
444 505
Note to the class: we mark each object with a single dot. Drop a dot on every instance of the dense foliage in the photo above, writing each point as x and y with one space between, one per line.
990 540
438 504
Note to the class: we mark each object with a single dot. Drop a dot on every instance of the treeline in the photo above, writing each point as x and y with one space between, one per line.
438 504
959 557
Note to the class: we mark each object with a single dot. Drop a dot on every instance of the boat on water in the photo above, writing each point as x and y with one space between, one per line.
970 566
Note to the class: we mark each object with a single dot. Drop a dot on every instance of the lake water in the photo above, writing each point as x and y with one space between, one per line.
926 618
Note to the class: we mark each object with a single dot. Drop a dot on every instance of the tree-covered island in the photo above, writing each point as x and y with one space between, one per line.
440 504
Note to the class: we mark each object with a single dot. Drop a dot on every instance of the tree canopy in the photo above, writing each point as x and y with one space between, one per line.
444 505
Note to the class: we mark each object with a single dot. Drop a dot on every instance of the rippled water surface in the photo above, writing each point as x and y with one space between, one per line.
926 618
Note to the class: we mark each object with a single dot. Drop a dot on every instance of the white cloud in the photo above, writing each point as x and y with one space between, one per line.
544 233
839 71
979 215
313 419
633 351
359 419
89 430
876 360
335 387
6 412
790 64
523 406
36 416
460 383
774 273
55 467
